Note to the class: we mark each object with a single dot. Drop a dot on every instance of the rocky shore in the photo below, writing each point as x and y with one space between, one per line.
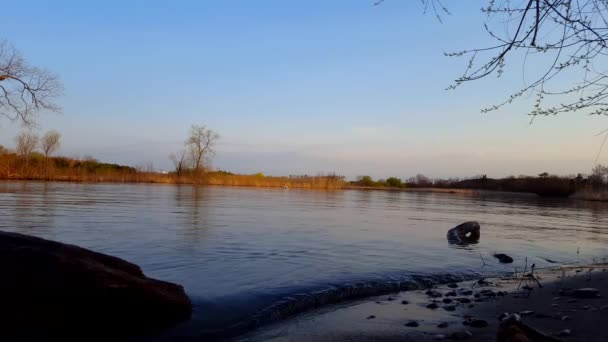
552 303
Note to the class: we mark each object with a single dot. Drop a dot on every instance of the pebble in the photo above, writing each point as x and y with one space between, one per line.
432 306
564 333
447 300
587 292
460 335
449 307
451 294
466 292
463 300
453 285
371 317
390 299
442 325
478 323
526 313
405 302
434 294
412 324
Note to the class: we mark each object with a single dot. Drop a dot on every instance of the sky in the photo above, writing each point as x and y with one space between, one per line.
292 87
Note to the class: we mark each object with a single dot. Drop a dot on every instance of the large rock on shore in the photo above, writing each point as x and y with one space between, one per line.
49 288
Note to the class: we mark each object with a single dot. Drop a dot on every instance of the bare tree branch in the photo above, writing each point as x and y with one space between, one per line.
24 89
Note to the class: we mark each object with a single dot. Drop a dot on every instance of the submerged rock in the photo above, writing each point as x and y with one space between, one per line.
54 289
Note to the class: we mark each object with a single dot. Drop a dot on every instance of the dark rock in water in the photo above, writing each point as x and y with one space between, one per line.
587 292
390 299
466 292
463 300
371 317
453 285
433 306
447 300
412 324
405 302
483 282
451 294
503 258
463 234
54 289
479 323
442 325
460 335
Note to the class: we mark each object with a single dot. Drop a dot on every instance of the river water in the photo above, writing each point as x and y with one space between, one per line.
240 252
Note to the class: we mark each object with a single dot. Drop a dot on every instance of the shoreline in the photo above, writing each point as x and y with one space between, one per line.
406 316
457 191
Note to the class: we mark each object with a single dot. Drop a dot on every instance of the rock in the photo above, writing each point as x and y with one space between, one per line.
432 306
371 317
53 289
451 294
512 329
478 323
390 299
449 307
488 293
587 292
463 234
564 333
405 302
412 324
447 300
433 294
460 335
466 292
453 285
503 316
526 313
463 300
442 325
503 258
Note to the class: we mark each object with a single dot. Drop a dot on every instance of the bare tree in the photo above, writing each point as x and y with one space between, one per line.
24 89
179 162
201 144
564 41
26 144
49 143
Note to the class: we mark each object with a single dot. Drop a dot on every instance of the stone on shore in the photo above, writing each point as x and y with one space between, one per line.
53 289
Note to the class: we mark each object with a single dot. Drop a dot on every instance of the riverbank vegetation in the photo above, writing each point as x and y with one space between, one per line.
32 159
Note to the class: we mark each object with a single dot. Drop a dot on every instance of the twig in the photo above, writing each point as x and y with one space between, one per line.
523 274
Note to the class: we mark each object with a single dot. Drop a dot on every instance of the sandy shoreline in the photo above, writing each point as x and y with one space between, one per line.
405 316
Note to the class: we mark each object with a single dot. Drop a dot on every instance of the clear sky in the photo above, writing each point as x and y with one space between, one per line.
292 87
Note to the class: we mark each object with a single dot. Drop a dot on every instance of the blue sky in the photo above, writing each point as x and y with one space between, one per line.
292 87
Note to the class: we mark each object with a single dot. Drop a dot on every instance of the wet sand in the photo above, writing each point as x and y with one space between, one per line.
405 316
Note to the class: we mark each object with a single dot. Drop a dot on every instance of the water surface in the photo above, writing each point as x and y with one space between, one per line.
238 250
